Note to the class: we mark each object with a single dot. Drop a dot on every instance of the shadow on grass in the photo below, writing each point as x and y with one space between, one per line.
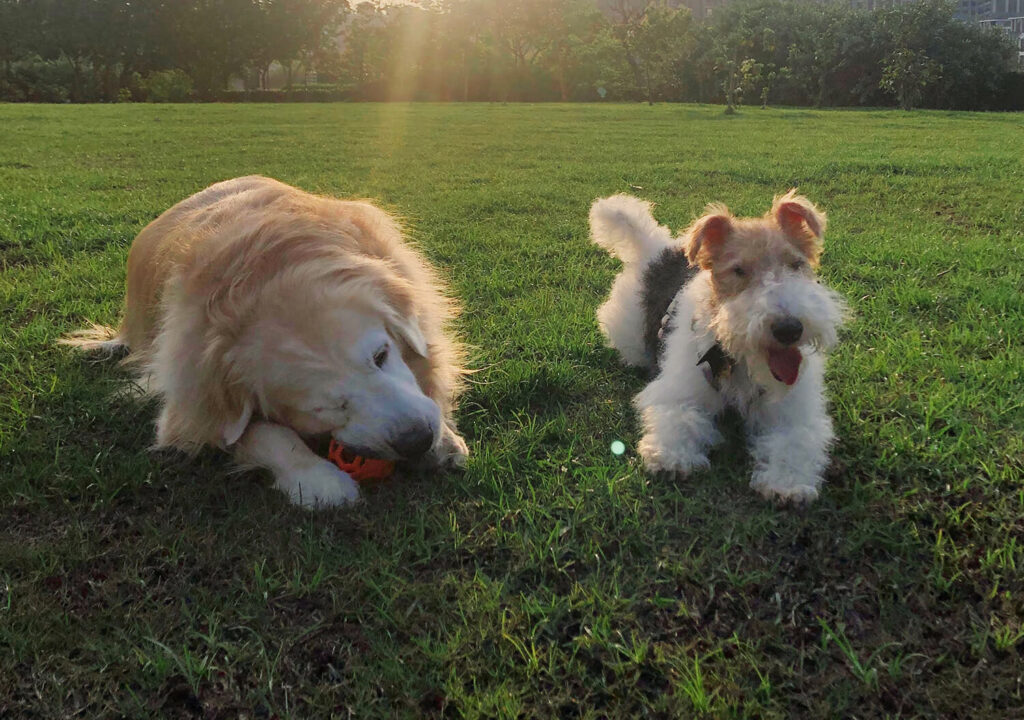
544 537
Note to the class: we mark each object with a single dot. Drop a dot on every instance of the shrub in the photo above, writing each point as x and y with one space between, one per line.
317 93
37 80
1011 92
167 86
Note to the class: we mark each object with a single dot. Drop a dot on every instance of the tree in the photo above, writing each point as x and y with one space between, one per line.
460 35
737 33
296 32
907 73
514 34
924 43
12 43
363 59
573 27
789 51
656 39
319 31
817 54
757 78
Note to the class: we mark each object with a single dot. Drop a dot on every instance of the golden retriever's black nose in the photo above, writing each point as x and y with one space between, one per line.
787 330
413 442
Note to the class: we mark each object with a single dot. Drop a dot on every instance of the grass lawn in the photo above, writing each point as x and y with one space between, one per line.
551 578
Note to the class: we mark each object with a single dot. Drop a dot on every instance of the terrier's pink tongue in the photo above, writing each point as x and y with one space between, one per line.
785 364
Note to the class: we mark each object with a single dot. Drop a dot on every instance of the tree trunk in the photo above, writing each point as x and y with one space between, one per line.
561 78
108 84
730 92
822 88
76 81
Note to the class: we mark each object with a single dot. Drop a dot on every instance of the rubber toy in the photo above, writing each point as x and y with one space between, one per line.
361 469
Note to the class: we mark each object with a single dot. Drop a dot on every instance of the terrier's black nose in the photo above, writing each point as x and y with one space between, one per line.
413 442
787 330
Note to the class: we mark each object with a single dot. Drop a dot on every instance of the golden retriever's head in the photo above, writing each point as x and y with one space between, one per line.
320 349
334 360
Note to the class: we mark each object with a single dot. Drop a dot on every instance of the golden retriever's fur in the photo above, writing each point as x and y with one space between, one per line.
232 305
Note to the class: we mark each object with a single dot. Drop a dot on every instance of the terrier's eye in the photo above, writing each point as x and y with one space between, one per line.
380 357
740 272
798 265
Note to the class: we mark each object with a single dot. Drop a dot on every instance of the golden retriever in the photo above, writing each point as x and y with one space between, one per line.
260 314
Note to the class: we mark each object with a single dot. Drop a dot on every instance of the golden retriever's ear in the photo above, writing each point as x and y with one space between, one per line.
397 306
234 429
409 330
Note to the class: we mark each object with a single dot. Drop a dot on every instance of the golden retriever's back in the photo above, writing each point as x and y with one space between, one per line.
251 211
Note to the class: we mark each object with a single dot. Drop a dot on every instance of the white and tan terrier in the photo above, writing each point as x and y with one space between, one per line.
729 314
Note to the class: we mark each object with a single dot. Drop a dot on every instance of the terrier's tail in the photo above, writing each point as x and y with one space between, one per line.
96 338
623 225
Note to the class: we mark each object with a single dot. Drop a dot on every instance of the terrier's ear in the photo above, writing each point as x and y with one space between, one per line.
803 223
707 234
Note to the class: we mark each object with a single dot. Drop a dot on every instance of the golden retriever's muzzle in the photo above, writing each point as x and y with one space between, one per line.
413 442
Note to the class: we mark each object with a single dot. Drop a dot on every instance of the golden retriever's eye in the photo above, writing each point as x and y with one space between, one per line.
739 271
380 357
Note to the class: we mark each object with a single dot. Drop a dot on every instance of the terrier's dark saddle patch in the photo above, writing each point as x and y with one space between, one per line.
663 278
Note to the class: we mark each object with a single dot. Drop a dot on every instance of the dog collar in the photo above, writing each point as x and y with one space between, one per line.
717 364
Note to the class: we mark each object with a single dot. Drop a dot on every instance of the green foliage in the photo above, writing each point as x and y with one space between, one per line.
303 93
783 51
657 40
907 74
36 80
934 60
164 86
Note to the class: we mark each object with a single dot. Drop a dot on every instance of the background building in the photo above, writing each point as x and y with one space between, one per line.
1006 14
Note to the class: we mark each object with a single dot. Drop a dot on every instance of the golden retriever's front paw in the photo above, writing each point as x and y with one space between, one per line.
452 451
319 486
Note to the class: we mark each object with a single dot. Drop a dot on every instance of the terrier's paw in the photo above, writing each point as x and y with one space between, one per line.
452 451
659 460
319 486
786 489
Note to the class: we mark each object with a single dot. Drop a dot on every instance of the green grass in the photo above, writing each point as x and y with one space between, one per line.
550 579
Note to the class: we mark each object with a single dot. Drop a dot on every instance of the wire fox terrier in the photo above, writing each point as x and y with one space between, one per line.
731 314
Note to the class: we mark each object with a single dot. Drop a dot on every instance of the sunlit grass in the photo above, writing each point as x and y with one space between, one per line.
552 578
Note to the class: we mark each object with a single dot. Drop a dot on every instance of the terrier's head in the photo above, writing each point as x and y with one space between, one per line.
766 305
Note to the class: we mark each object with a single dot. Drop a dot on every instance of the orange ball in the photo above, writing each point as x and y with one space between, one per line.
362 469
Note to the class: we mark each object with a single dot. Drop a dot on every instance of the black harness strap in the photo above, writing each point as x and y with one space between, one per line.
720 364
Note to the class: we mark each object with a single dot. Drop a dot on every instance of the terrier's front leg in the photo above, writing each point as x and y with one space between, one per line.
306 478
679 424
789 445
